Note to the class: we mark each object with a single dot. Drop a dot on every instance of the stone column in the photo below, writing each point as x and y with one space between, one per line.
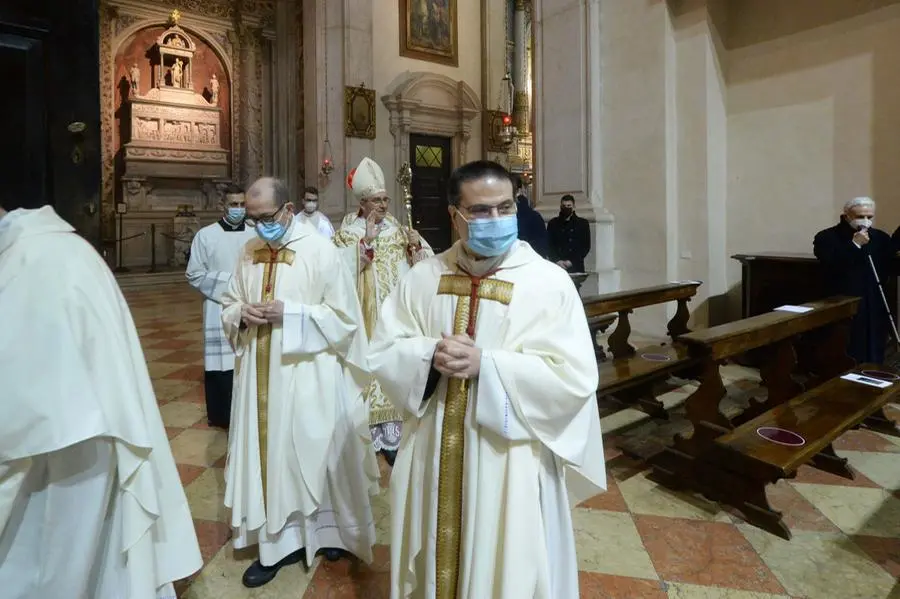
520 68
568 133
285 79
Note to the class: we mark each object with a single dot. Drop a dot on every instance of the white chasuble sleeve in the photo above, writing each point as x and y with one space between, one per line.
212 284
333 323
549 375
232 301
400 352
493 408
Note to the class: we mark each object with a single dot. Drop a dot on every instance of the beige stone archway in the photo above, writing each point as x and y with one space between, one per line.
433 104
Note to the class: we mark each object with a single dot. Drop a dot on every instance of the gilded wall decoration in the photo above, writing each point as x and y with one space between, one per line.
359 112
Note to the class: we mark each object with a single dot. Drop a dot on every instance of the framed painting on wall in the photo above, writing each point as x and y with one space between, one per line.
359 112
428 31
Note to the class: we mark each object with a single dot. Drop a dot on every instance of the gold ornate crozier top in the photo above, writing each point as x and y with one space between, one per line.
404 178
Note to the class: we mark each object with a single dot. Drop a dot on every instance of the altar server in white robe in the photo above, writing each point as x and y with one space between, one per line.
214 254
310 213
91 505
487 349
300 462
378 251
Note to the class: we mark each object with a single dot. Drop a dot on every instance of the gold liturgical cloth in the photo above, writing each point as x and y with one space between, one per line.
270 258
469 291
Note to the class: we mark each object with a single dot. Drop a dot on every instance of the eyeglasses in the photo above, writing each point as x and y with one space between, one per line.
265 219
507 208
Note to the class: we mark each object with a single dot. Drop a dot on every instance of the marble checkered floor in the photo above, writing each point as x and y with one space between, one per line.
635 541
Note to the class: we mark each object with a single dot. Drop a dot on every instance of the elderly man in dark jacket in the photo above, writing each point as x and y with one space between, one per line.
844 251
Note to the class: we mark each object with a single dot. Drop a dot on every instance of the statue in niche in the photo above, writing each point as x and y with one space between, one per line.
214 87
135 74
177 72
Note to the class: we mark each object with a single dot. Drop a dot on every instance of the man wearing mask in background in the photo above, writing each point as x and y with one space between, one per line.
570 237
214 254
311 214
300 461
379 251
502 415
532 229
844 251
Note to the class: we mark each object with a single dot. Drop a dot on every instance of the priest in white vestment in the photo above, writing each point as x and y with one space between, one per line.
310 213
91 504
300 461
378 251
486 348
214 254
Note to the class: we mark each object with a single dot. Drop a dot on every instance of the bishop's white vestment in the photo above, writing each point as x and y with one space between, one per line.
300 464
389 260
91 504
488 468
317 220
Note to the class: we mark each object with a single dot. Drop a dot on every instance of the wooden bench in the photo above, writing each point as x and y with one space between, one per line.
771 335
632 374
744 460
598 325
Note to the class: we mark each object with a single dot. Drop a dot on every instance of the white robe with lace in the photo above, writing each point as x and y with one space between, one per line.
532 439
320 464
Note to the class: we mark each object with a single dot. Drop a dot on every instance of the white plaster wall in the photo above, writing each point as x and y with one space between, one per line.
813 120
390 67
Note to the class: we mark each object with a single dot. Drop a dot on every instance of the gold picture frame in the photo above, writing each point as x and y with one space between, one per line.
359 112
432 36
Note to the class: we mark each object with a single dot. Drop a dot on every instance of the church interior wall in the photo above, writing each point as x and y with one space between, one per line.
391 70
813 119
742 126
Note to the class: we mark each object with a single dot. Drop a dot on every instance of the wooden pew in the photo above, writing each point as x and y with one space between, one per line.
771 336
804 428
598 325
632 374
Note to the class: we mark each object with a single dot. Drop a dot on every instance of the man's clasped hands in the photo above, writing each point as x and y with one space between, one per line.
456 356
254 315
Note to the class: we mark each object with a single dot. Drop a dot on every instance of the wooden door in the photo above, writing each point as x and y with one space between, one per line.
431 158
49 60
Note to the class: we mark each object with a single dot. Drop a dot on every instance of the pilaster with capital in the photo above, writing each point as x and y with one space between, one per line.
520 67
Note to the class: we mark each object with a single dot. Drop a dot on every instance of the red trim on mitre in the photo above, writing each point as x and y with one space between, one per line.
350 178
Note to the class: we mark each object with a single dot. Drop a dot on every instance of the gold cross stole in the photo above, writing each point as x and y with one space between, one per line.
270 258
453 427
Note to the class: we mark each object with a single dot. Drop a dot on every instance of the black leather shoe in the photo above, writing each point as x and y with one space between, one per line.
333 555
389 455
257 574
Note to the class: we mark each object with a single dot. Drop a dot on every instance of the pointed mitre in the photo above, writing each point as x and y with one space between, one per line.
367 180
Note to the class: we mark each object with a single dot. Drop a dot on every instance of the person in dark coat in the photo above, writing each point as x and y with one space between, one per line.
531 224
570 237
843 251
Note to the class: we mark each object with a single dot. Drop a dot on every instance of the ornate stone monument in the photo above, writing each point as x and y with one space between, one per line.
175 167
175 132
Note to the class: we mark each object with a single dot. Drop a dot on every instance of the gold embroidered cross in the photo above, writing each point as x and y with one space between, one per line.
270 258
450 469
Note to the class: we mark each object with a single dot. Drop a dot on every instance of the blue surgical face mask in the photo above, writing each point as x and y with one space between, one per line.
491 237
235 215
270 232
